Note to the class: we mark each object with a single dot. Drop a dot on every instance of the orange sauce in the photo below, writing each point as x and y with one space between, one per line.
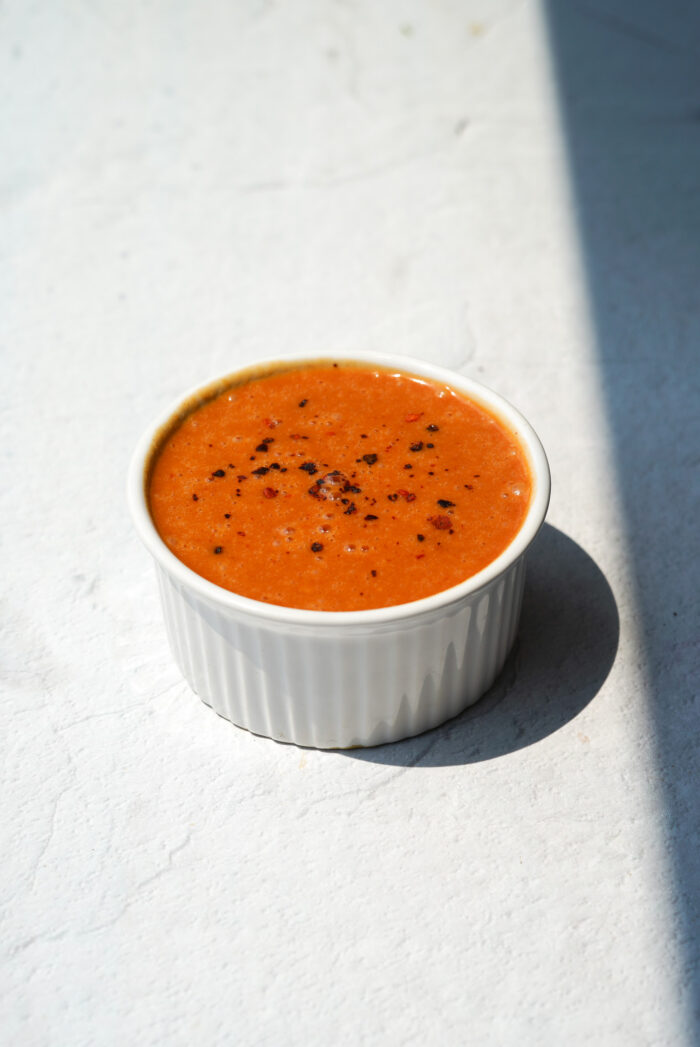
339 487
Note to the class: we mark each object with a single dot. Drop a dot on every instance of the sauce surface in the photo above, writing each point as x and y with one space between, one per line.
339 487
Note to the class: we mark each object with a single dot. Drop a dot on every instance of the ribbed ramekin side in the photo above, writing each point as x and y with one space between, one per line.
348 686
495 622
175 627
516 604
493 628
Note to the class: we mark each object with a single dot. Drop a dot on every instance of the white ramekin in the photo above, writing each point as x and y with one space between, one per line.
343 678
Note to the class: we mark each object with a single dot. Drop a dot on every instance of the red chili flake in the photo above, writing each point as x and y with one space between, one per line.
408 495
316 547
369 458
393 497
414 417
433 428
444 503
270 492
218 472
218 549
261 471
241 479
416 447
373 573
419 556
442 523
370 516
271 423
420 537
469 487
242 534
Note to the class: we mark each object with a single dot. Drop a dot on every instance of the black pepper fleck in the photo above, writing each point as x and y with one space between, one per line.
370 516
303 403
218 472
261 471
433 428
444 503
369 458
309 467
316 547
420 537
218 549
416 447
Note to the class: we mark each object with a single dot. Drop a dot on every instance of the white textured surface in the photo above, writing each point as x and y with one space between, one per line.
187 185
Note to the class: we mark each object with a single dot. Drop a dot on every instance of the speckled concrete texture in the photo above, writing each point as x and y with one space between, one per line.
506 188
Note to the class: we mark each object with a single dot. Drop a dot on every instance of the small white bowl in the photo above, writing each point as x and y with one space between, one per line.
338 679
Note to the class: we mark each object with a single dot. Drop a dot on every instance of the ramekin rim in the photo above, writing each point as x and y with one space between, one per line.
290 616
